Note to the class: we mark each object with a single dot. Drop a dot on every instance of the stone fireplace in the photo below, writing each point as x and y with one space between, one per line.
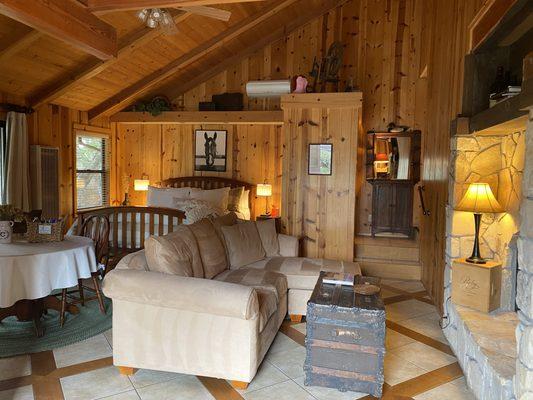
495 350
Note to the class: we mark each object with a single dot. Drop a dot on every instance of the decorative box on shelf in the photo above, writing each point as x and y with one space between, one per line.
45 231
477 286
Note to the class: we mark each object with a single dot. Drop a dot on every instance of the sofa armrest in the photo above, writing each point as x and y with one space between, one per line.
183 293
288 245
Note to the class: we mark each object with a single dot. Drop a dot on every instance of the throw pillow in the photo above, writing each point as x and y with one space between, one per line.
217 197
269 236
243 243
234 198
211 248
168 254
195 209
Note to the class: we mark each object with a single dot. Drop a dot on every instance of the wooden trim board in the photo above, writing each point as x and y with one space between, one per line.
201 117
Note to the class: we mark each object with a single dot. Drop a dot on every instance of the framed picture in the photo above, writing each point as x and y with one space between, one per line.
210 150
320 156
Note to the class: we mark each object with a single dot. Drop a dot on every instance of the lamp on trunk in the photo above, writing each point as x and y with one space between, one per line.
478 199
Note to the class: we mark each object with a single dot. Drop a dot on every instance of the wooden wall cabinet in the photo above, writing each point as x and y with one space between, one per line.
392 207
318 208
393 169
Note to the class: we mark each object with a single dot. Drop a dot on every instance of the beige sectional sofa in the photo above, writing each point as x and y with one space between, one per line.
184 305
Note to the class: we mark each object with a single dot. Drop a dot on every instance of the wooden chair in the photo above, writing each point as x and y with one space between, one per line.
95 227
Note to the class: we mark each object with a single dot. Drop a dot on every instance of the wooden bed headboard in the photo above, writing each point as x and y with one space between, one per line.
210 182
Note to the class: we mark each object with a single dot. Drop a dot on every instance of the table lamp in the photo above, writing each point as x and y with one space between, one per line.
141 185
264 190
478 199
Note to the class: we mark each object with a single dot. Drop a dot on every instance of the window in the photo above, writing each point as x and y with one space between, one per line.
92 172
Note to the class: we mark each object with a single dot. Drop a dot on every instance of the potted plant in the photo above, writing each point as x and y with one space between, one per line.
8 216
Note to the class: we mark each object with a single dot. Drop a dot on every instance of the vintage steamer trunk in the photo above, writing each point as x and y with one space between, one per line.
345 340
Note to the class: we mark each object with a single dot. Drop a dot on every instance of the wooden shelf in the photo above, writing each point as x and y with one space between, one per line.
505 117
202 117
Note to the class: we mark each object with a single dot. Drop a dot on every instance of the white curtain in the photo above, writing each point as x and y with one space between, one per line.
17 182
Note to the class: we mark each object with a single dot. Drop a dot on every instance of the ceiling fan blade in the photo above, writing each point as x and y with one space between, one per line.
210 12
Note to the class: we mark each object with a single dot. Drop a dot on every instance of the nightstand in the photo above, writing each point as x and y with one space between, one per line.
265 217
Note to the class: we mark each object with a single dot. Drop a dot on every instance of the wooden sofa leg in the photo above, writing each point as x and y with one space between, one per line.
126 370
239 385
296 317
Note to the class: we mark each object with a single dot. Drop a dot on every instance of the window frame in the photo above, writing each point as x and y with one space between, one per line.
105 171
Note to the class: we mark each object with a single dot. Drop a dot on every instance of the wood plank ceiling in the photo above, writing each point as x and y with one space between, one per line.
43 69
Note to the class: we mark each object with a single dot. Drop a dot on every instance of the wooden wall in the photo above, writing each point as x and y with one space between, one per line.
407 58
52 125
166 151
384 56
321 209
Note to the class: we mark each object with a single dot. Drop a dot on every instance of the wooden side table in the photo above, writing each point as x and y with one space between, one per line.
277 219
477 286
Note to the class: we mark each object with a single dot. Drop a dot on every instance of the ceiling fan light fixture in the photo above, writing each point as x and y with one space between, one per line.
143 15
151 23
156 14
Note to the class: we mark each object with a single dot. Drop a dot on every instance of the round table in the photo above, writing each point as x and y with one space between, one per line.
29 272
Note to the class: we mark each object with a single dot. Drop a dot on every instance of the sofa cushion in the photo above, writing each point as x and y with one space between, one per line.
269 236
257 278
136 261
302 273
168 254
211 249
243 244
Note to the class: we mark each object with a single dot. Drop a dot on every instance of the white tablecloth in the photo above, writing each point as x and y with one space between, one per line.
34 270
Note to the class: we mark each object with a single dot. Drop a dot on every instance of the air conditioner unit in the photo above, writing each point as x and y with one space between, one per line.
44 176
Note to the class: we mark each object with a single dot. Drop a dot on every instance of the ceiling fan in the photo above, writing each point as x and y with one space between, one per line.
163 18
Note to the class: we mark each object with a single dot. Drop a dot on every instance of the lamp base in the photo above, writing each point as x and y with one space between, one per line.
476 260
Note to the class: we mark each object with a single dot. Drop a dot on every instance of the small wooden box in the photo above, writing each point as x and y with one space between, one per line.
476 285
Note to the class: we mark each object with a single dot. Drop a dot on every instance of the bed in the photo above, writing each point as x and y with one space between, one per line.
131 225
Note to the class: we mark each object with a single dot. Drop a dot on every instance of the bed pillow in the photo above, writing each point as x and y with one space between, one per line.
269 236
164 197
195 210
217 197
243 244
211 248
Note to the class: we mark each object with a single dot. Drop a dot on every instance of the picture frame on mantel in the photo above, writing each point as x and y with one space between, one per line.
320 159
210 147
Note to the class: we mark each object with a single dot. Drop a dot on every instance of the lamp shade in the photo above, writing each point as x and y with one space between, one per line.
141 185
264 190
479 199
382 157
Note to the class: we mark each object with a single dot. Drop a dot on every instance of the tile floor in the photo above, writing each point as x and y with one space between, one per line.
417 366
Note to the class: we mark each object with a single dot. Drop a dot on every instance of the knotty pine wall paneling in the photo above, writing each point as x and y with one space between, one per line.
52 125
321 208
162 151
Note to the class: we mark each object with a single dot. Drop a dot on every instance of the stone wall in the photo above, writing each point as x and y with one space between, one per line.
498 161
487 360
524 332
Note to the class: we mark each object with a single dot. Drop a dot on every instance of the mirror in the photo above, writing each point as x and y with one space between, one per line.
392 157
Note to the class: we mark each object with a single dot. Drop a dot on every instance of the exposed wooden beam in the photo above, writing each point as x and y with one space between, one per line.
19 45
211 12
130 44
201 117
65 20
121 99
173 90
121 5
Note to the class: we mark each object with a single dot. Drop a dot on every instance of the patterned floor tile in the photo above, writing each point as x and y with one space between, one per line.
146 377
289 362
129 395
21 393
424 356
267 375
91 349
394 340
14 367
300 327
282 343
95 384
398 370
452 390
184 387
408 309
322 393
427 325
288 390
